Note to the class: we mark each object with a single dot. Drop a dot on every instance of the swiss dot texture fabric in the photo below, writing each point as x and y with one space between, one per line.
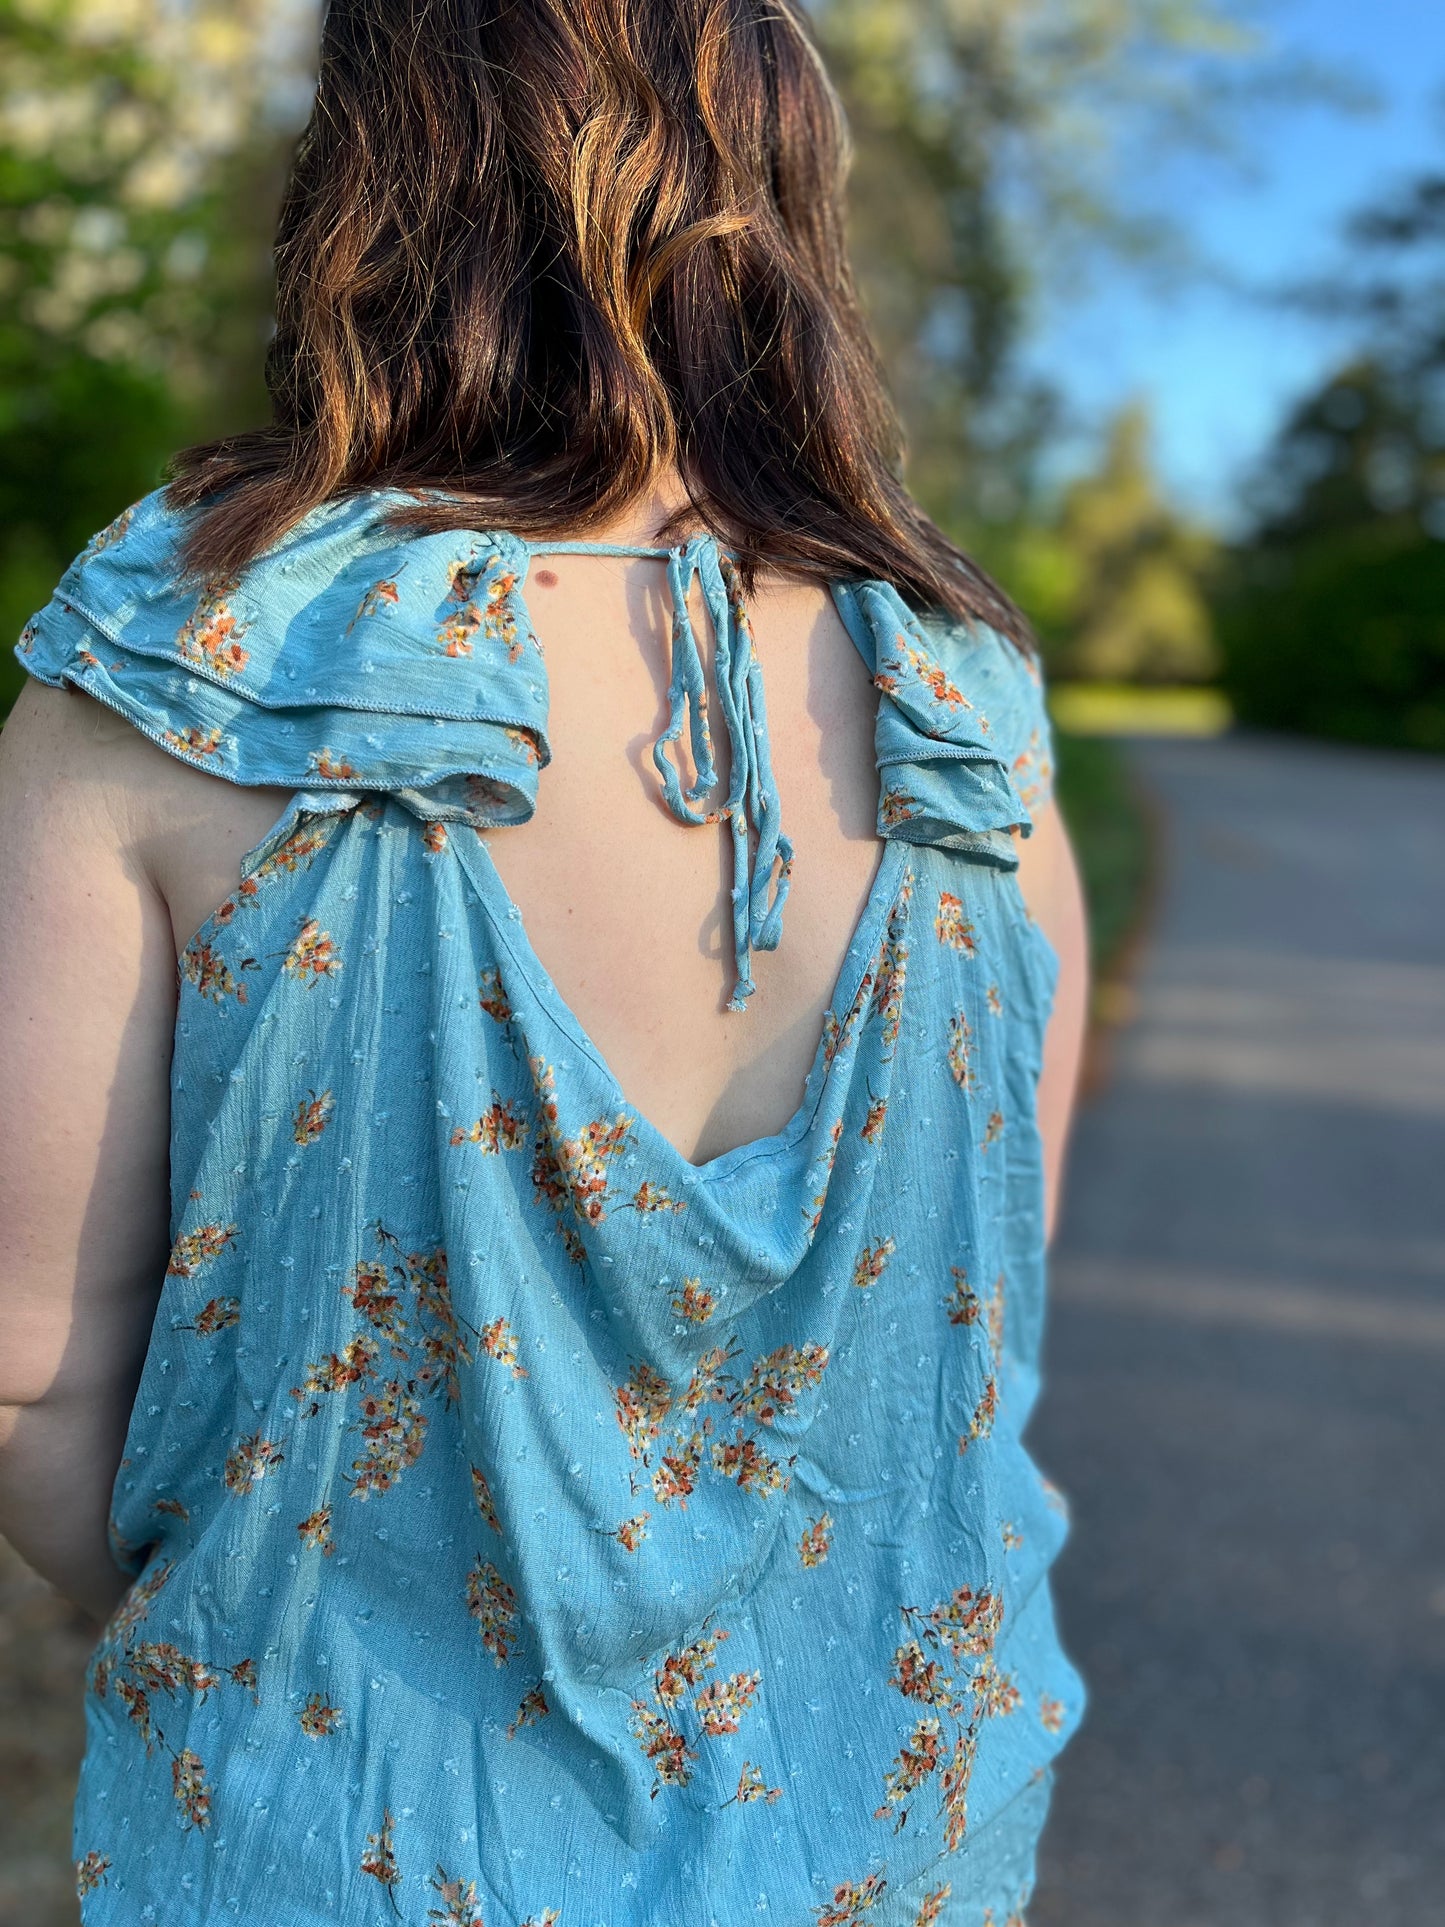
528 1526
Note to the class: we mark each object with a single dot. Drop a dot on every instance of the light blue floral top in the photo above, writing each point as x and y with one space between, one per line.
527 1525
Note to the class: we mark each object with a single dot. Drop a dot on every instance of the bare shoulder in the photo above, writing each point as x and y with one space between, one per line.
86 794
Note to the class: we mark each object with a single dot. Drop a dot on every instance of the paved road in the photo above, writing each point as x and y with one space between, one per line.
1246 1390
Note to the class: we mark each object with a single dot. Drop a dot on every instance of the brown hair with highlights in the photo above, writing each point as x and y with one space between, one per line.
534 253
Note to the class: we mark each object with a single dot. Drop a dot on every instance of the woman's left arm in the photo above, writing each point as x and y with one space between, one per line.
87 1009
1049 880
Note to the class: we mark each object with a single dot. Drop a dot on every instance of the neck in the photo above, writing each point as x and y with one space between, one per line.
639 521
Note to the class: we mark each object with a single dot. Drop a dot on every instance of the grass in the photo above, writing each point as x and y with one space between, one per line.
1128 709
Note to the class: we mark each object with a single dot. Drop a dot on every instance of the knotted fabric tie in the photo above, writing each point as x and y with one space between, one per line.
762 852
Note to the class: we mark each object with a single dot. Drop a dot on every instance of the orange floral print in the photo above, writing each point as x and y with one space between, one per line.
292 855
816 1541
331 769
744 1460
642 1404
534 1707
249 1460
952 926
963 1302
315 1530
494 616
772 1386
216 1315
675 1477
381 595
851 1901
90 1872
892 970
499 1341
931 1908
631 1532
493 1604
318 1719
662 1746
656 1197
356 1361
679 1672
434 838
572 1173
1012 1538
871 1129
198 1248
960 1036
432 1348
1051 1713
499 1128
928 672
896 807
993 996
957 1775
393 1431
721 1704
313 1114
995 1693
752 1786
916 1761
312 954
711 1382
204 967
192 1794
460 1907
379 1858
993 1130
1032 772
693 1302
871 1262
813 1209
967 1625
482 1493
194 742
981 1424
210 637
493 998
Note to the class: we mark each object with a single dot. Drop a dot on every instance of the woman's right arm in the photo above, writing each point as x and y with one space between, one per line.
87 1008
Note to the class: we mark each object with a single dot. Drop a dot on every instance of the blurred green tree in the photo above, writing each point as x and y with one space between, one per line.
139 169
1128 601
1332 609
997 146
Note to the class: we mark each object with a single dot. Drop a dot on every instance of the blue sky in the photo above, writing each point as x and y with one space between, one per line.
1217 368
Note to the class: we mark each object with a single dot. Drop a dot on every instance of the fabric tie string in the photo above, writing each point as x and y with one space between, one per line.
762 851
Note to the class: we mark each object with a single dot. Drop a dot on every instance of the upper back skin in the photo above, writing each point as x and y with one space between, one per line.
627 908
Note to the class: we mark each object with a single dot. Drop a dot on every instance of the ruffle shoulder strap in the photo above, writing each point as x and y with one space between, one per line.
344 658
962 737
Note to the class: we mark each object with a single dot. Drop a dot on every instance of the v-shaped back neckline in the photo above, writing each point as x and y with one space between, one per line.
752 804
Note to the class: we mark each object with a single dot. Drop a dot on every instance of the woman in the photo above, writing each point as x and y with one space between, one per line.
587 1308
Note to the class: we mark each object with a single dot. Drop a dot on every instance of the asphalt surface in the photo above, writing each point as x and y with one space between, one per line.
1245 1390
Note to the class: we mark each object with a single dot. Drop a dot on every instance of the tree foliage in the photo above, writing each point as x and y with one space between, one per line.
138 176
1333 610
993 144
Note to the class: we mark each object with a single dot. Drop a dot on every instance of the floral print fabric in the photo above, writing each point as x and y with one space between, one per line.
528 1526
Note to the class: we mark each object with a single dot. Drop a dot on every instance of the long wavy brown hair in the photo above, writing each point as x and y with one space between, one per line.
537 254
